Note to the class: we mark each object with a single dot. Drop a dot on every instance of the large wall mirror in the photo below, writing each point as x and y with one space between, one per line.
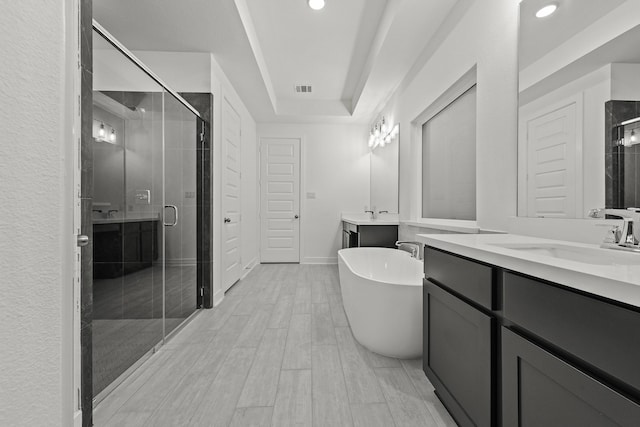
385 164
579 98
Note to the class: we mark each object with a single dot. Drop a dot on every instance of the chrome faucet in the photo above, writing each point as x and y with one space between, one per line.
414 247
625 238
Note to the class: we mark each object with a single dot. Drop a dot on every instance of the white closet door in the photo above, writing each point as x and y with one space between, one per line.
552 164
280 200
231 137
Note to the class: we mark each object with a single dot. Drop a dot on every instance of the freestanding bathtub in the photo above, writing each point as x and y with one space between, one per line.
382 296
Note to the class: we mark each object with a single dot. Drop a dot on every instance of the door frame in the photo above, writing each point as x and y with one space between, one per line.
302 201
525 115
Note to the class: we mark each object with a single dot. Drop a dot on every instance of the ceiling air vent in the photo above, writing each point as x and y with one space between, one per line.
303 88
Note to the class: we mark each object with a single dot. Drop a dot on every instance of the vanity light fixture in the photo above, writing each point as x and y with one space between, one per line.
633 139
382 134
547 10
316 4
112 137
101 131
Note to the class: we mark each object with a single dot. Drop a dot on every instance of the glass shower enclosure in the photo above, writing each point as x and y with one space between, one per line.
144 212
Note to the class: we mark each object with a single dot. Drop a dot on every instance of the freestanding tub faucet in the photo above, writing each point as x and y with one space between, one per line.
413 246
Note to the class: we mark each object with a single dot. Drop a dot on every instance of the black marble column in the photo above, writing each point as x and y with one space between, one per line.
203 103
622 173
86 153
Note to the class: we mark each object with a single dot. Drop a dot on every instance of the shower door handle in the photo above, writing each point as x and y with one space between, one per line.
175 210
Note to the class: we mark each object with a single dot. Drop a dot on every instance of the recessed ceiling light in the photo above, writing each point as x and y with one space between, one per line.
547 10
316 4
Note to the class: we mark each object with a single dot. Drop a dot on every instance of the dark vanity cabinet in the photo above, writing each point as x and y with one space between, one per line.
568 358
355 236
124 247
505 349
459 336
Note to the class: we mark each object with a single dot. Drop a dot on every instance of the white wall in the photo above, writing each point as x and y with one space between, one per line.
36 247
334 166
485 36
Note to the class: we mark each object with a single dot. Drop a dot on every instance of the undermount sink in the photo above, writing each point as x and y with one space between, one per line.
575 253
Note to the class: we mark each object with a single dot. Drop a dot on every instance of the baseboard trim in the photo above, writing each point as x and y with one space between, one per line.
319 260
250 266
218 297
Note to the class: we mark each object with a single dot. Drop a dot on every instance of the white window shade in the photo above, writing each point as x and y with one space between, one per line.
449 161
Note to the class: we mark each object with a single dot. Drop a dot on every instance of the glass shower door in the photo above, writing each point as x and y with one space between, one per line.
180 127
128 200
144 214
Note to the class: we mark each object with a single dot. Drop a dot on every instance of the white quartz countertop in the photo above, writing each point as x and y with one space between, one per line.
365 219
121 220
618 282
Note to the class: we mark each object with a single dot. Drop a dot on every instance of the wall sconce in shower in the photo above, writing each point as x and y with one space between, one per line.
382 134
100 132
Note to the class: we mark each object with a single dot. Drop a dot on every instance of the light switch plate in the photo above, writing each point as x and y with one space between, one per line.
311 195
142 197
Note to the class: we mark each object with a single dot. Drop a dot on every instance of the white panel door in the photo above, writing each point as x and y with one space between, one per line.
280 200
232 267
551 164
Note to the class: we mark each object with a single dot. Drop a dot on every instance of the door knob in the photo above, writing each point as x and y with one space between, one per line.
82 240
227 220
296 216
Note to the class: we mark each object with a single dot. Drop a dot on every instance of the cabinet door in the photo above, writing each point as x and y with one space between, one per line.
146 243
539 389
382 236
131 247
457 356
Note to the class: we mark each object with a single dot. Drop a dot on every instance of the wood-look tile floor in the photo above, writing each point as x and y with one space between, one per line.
278 351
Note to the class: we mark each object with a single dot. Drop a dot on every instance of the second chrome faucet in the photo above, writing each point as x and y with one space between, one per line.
625 238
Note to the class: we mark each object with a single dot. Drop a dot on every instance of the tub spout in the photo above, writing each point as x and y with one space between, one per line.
413 247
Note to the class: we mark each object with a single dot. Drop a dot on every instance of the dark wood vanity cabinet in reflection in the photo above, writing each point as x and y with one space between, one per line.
360 236
505 349
121 248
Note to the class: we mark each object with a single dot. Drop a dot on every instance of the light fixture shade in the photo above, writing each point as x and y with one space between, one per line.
546 10
316 4
101 131
112 137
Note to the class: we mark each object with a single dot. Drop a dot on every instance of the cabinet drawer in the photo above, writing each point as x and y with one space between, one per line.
347 226
457 355
598 332
146 225
468 278
539 389
131 227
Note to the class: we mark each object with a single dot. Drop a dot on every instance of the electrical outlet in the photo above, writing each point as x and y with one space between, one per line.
189 194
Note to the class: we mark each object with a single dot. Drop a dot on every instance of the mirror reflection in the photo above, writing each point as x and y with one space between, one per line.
384 176
579 72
